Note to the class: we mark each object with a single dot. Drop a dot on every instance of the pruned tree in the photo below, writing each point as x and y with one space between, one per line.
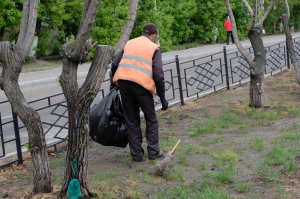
285 20
80 99
258 64
13 56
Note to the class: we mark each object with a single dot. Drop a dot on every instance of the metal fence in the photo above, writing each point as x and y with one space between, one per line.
183 80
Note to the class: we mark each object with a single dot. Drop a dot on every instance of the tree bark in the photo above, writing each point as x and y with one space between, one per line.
248 7
258 64
79 100
79 109
78 113
235 34
261 7
37 145
127 30
290 46
264 16
257 69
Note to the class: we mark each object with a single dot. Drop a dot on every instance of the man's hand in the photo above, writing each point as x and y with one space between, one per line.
164 104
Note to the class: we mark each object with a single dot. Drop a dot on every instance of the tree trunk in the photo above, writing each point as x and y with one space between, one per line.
257 69
290 46
13 56
12 65
79 102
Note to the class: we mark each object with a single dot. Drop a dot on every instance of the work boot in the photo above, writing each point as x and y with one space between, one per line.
157 156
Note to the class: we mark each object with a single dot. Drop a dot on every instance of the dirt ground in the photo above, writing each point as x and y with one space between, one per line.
227 150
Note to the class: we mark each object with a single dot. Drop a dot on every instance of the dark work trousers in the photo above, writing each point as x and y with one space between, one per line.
133 97
229 33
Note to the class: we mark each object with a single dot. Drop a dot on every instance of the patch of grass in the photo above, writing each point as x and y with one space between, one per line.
225 96
134 194
257 143
58 178
260 114
127 157
296 111
216 140
243 187
269 173
226 120
197 130
206 183
56 162
206 151
290 167
228 156
182 158
213 193
105 190
146 177
242 131
174 118
206 114
176 173
105 177
202 165
184 192
190 148
167 145
277 156
226 175
280 103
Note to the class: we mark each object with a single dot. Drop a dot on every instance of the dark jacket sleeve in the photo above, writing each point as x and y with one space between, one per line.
115 64
158 74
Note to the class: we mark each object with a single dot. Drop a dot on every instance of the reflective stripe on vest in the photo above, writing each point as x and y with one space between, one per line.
136 63
136 68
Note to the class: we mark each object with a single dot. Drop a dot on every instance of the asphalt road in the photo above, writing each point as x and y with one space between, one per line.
210 72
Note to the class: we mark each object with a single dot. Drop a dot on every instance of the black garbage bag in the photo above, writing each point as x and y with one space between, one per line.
107 125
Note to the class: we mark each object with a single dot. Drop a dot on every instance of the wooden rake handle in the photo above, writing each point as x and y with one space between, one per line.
175 146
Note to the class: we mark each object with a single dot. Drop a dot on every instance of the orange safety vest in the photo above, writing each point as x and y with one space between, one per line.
136 63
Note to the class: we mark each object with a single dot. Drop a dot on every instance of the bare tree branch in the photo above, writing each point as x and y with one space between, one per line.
24 23
254 14
33 9
287 8
87 21
85 11
96 73
261 7
234 32
94 44
261 21
248 7
127 30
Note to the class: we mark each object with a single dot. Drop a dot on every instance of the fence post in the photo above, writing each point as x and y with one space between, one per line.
226 68
288 55
179 80
17 135
1 136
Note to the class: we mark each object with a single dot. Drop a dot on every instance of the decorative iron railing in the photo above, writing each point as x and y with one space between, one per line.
183 80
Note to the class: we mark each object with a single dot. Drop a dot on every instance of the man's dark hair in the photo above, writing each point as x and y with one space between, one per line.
146 33
149 29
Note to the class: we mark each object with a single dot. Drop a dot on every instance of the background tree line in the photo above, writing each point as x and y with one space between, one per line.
178 21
